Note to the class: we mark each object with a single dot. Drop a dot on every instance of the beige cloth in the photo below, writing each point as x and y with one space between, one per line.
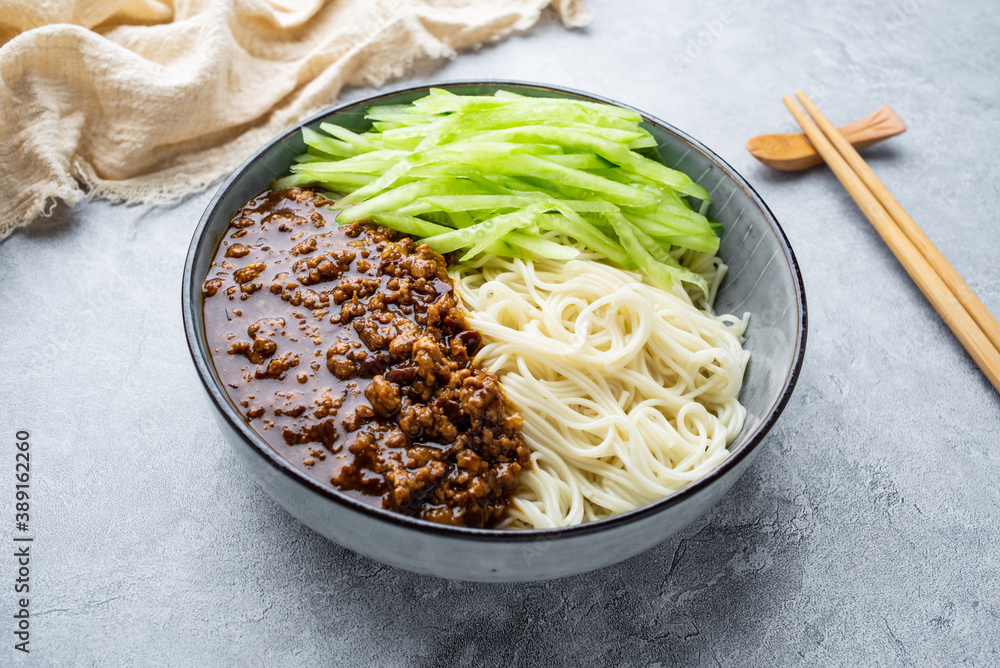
144 101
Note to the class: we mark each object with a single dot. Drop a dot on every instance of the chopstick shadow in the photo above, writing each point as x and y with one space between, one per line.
873 155
880 153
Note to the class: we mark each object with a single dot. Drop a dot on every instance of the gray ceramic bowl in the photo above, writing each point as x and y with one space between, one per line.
763 279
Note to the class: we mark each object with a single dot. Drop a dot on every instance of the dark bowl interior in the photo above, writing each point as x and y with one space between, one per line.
763 279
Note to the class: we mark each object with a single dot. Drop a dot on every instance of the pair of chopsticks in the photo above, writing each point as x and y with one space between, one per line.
966 316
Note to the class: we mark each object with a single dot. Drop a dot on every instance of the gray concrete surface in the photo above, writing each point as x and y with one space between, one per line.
865 533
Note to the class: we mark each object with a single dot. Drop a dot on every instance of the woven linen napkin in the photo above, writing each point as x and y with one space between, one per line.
143 101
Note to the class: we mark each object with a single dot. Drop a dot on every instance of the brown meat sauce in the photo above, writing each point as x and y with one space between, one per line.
347 352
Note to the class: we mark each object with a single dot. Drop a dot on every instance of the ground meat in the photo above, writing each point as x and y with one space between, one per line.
212 286
357 365
249 272
237 250
383 396
276 368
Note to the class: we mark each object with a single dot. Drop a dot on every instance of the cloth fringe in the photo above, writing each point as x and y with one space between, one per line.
148 101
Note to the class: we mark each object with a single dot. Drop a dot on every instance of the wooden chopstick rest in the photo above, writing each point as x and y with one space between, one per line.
793 152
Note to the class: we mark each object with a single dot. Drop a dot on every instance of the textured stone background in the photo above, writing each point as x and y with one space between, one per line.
865 533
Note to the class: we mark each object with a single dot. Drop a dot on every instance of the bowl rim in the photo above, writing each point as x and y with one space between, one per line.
206 369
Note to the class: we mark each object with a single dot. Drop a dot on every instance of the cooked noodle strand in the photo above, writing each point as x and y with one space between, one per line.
628 392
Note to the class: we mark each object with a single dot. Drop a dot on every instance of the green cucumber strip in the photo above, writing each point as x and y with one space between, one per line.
399 114
404 138
698 244
366 163
542 170
515 116
675 200
614 152
578 160
661 274
573 225
510 95
440 218
489 240
449 102
659 252
380 183
303 158
540 246
407 109
409 224
456 163
328 145
683 220
454 203
498 148
460 219
501 173
519 165
513 133
291 181
345 135
671 228
484 233
390 200
346 182
384 126
504 249
417 208
646 141
671 236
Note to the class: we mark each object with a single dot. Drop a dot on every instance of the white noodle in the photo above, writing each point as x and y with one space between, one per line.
628 392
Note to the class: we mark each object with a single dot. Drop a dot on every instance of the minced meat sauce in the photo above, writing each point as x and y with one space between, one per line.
347 352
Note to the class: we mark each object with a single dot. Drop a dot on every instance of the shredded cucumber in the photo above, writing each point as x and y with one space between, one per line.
516 176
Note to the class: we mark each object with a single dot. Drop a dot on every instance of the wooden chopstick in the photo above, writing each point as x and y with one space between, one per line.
922 269
972 303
